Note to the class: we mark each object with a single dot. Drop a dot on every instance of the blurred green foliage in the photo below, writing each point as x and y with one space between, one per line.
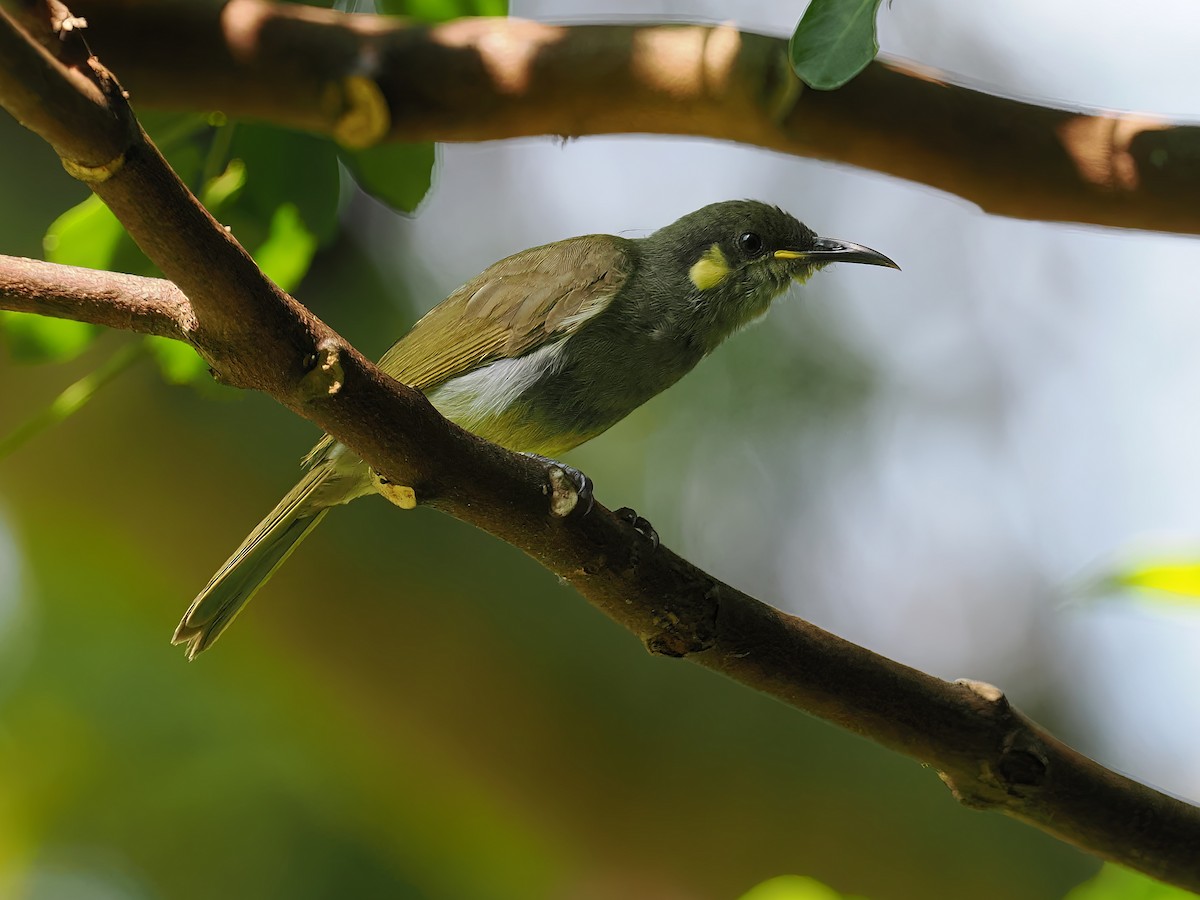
442 10
73 398
1117 883
792 887
31 338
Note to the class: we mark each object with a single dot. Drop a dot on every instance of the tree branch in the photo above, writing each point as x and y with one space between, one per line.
256 336
127 302
362 78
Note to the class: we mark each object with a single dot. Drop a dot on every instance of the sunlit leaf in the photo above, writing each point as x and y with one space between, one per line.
1116 883
288 250
177 361
225 188
834 42
31 338
1181 577
87 235
442 10
278 194
791 887
397 174
172 131
286 167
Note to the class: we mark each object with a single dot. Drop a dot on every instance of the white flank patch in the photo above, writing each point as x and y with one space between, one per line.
486 393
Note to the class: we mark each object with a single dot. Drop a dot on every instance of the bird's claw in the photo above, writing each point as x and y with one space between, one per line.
583 484
640 525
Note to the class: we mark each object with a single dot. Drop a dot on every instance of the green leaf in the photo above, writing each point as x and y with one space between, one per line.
32 339
1178 577
834 42
791 887
225 188
177 361
442 10
87 235
288 250
396 174
285 167
172 131
278 194
1116 883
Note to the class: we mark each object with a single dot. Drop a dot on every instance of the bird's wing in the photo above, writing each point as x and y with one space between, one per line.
515 306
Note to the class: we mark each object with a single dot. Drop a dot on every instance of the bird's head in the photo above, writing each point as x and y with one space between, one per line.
734 258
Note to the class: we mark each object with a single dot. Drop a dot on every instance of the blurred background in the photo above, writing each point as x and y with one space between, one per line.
930 463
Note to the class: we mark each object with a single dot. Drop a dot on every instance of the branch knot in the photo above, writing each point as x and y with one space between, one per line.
93 174
686 628
365 118
1023 763
324 376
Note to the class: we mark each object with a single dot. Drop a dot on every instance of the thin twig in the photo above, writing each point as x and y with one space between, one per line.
74 397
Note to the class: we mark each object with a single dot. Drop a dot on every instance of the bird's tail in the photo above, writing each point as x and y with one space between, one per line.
252 564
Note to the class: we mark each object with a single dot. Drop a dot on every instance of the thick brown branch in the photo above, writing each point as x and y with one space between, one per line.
989 754
358 76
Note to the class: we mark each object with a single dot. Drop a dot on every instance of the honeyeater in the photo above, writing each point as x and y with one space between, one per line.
548 348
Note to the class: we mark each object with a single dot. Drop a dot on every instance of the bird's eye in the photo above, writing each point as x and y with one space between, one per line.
750 243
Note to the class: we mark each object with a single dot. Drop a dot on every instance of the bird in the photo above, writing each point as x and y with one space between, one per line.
548 348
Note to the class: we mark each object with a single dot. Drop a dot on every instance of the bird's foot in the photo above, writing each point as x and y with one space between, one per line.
400 494
581 483
640 525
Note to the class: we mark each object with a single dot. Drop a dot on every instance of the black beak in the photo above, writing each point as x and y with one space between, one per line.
828 250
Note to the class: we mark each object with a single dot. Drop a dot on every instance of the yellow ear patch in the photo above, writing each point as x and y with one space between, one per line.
710 269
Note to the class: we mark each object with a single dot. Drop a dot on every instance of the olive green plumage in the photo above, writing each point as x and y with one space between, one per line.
547 349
